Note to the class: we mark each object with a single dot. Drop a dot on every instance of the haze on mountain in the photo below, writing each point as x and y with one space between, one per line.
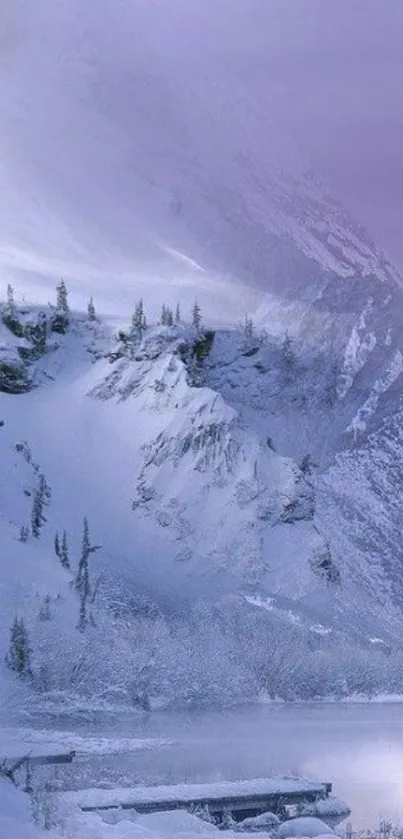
144 142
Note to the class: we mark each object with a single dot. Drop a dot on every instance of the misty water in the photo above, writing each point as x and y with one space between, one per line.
359 748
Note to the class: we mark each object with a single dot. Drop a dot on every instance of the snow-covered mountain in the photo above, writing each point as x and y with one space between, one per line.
257 469
174 444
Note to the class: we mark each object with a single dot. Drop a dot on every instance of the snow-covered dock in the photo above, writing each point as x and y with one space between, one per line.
240 799
39 758
27 762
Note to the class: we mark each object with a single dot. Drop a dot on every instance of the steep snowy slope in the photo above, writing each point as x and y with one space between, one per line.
166 469
134 447
340 417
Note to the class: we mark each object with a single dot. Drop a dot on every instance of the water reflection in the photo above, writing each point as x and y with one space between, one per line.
357 747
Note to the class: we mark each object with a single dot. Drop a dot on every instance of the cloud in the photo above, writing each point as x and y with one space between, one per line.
128 124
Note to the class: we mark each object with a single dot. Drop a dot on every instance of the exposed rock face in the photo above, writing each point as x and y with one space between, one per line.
224 499
13 374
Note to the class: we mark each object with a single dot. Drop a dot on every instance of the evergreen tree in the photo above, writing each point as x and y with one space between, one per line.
195 372
18 658
178 314
37 516
64 551
62 303
91 311
10 300
61 319
138 322
24 533
41 497
163 319
169 317
82 582
196 317
57 545
44 489
37 335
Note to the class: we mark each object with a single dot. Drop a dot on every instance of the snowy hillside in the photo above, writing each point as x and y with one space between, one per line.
237 479
160 437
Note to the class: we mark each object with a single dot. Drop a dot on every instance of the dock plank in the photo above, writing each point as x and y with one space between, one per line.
35 759
239 795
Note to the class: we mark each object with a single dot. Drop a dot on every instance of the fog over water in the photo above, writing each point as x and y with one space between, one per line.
359 748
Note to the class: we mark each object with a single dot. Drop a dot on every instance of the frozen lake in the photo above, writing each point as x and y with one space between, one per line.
357 747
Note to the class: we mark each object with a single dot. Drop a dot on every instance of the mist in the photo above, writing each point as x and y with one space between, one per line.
130 132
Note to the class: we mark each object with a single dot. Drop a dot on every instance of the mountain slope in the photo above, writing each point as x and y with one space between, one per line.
189 502
152 169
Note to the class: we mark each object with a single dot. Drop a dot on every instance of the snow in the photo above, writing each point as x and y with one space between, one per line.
303 826
176 825
331 809
190 484
189 792
182 186
15 814
17 742
391 375
163 175
265 821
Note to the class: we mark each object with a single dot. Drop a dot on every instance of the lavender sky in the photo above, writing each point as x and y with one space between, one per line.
336 82
329 72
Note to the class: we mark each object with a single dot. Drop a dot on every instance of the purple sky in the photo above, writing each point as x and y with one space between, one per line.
329 71
337 83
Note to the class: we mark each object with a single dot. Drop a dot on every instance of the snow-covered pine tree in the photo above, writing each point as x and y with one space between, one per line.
64 551
18 657
57 544
195 372
9 314
36 334
91 311
178 314
10 300
24 533
41 498
44 489
138 322
62 303
82 582
163 318
196 317
37 517
61 319
170 317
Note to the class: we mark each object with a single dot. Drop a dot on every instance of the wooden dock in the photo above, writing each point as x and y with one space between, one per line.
44 759
240 799
10 766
